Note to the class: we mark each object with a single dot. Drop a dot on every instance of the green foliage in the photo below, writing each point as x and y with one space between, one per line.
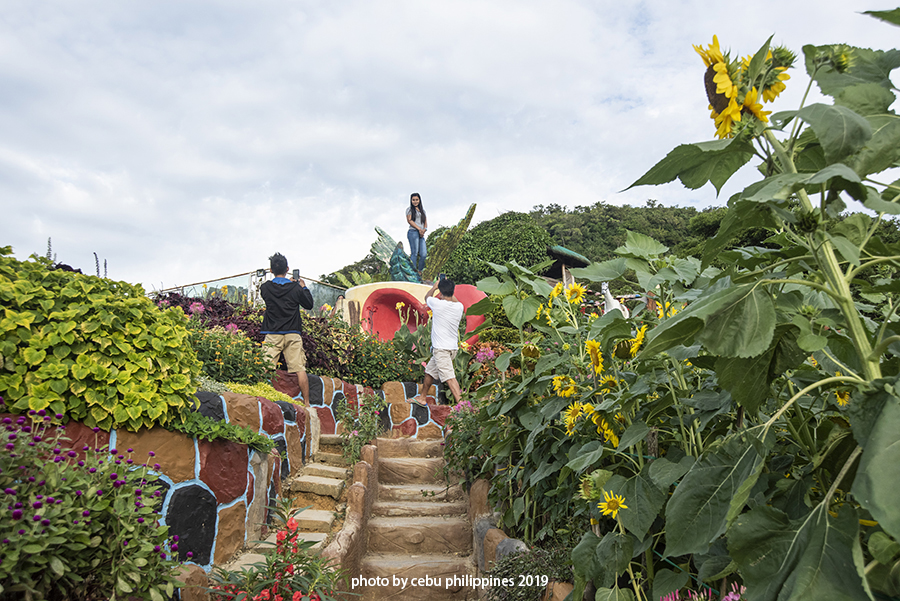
360 421
442 245
509 237
78 530
96 350
206 428
291 571
371 268
228 355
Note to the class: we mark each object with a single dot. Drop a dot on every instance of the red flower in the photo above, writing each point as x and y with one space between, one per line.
292 524
281 536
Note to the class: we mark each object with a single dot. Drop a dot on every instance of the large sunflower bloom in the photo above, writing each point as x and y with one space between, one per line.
593 349
575 293
563 386
727 118
611 504
712 55
751 105
570 415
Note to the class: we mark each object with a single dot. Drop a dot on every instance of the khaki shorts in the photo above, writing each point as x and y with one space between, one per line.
292 347
441 365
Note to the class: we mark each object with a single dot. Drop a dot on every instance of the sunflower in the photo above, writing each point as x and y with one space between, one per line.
638 340
609 382
575 293
593 349
726 119
751 106
563 386
843 397
665 311
570 415
772 90
611 504
711 55
557 290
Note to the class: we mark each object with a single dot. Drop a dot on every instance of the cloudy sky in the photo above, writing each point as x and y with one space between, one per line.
188 140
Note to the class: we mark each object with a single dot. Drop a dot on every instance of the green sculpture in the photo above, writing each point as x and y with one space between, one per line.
445 245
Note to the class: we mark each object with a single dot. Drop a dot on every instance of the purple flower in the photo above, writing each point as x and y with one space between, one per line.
42 413
113 476
57 459
140 520
10 446
156 466
152 454
71 453
190 554
36 518
45 522
95 429
113 451
175 538
13 436
86 513
118 483
59 416
81 464
156 548
92 470
124 543
131 450
7 420
17 514
37 505
18 506
175 547
37 439
10 491
78 493
22 531
138 492
99 493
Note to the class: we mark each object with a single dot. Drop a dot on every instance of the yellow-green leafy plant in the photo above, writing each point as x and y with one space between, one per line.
259 389
90 348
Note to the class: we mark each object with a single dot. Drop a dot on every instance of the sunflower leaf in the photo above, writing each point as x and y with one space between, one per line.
868 66
696 164
840 131
888 16
757 63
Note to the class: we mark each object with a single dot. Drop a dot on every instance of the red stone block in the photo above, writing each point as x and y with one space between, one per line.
439 413
80 435
351 393
222 467
272 416
287 383
409 427
250 488
326 420
301 419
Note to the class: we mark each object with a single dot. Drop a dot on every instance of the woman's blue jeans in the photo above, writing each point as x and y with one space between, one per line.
417 251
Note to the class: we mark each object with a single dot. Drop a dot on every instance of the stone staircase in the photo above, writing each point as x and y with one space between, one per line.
419 535
319 484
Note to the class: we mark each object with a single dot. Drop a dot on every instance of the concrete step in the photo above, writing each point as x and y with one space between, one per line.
420 492
411 470
333 440
391 570
408 447
325 471
314 520
334 459
271 541
326 487
418 535
419 508
245 561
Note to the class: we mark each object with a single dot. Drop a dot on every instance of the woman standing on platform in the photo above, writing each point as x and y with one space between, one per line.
418 224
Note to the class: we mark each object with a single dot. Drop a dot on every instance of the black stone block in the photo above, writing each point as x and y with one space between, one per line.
290 412
210 405
410 389
192 517
281 445
316 390
420 413
337 403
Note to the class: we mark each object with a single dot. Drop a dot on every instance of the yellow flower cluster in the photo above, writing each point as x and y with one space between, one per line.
576 410
593 349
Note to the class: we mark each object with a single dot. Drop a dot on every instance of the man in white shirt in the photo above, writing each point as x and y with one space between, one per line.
446 313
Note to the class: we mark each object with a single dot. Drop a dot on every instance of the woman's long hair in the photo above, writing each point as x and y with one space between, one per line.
413 210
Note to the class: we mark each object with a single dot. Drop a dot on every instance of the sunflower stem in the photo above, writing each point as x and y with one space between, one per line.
833 274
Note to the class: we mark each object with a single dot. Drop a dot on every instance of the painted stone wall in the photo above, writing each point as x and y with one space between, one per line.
215 493
401 417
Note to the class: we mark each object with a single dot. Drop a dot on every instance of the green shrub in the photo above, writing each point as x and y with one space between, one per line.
361 423
78 530
93 349
228 355
197 425
372 362
509 237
